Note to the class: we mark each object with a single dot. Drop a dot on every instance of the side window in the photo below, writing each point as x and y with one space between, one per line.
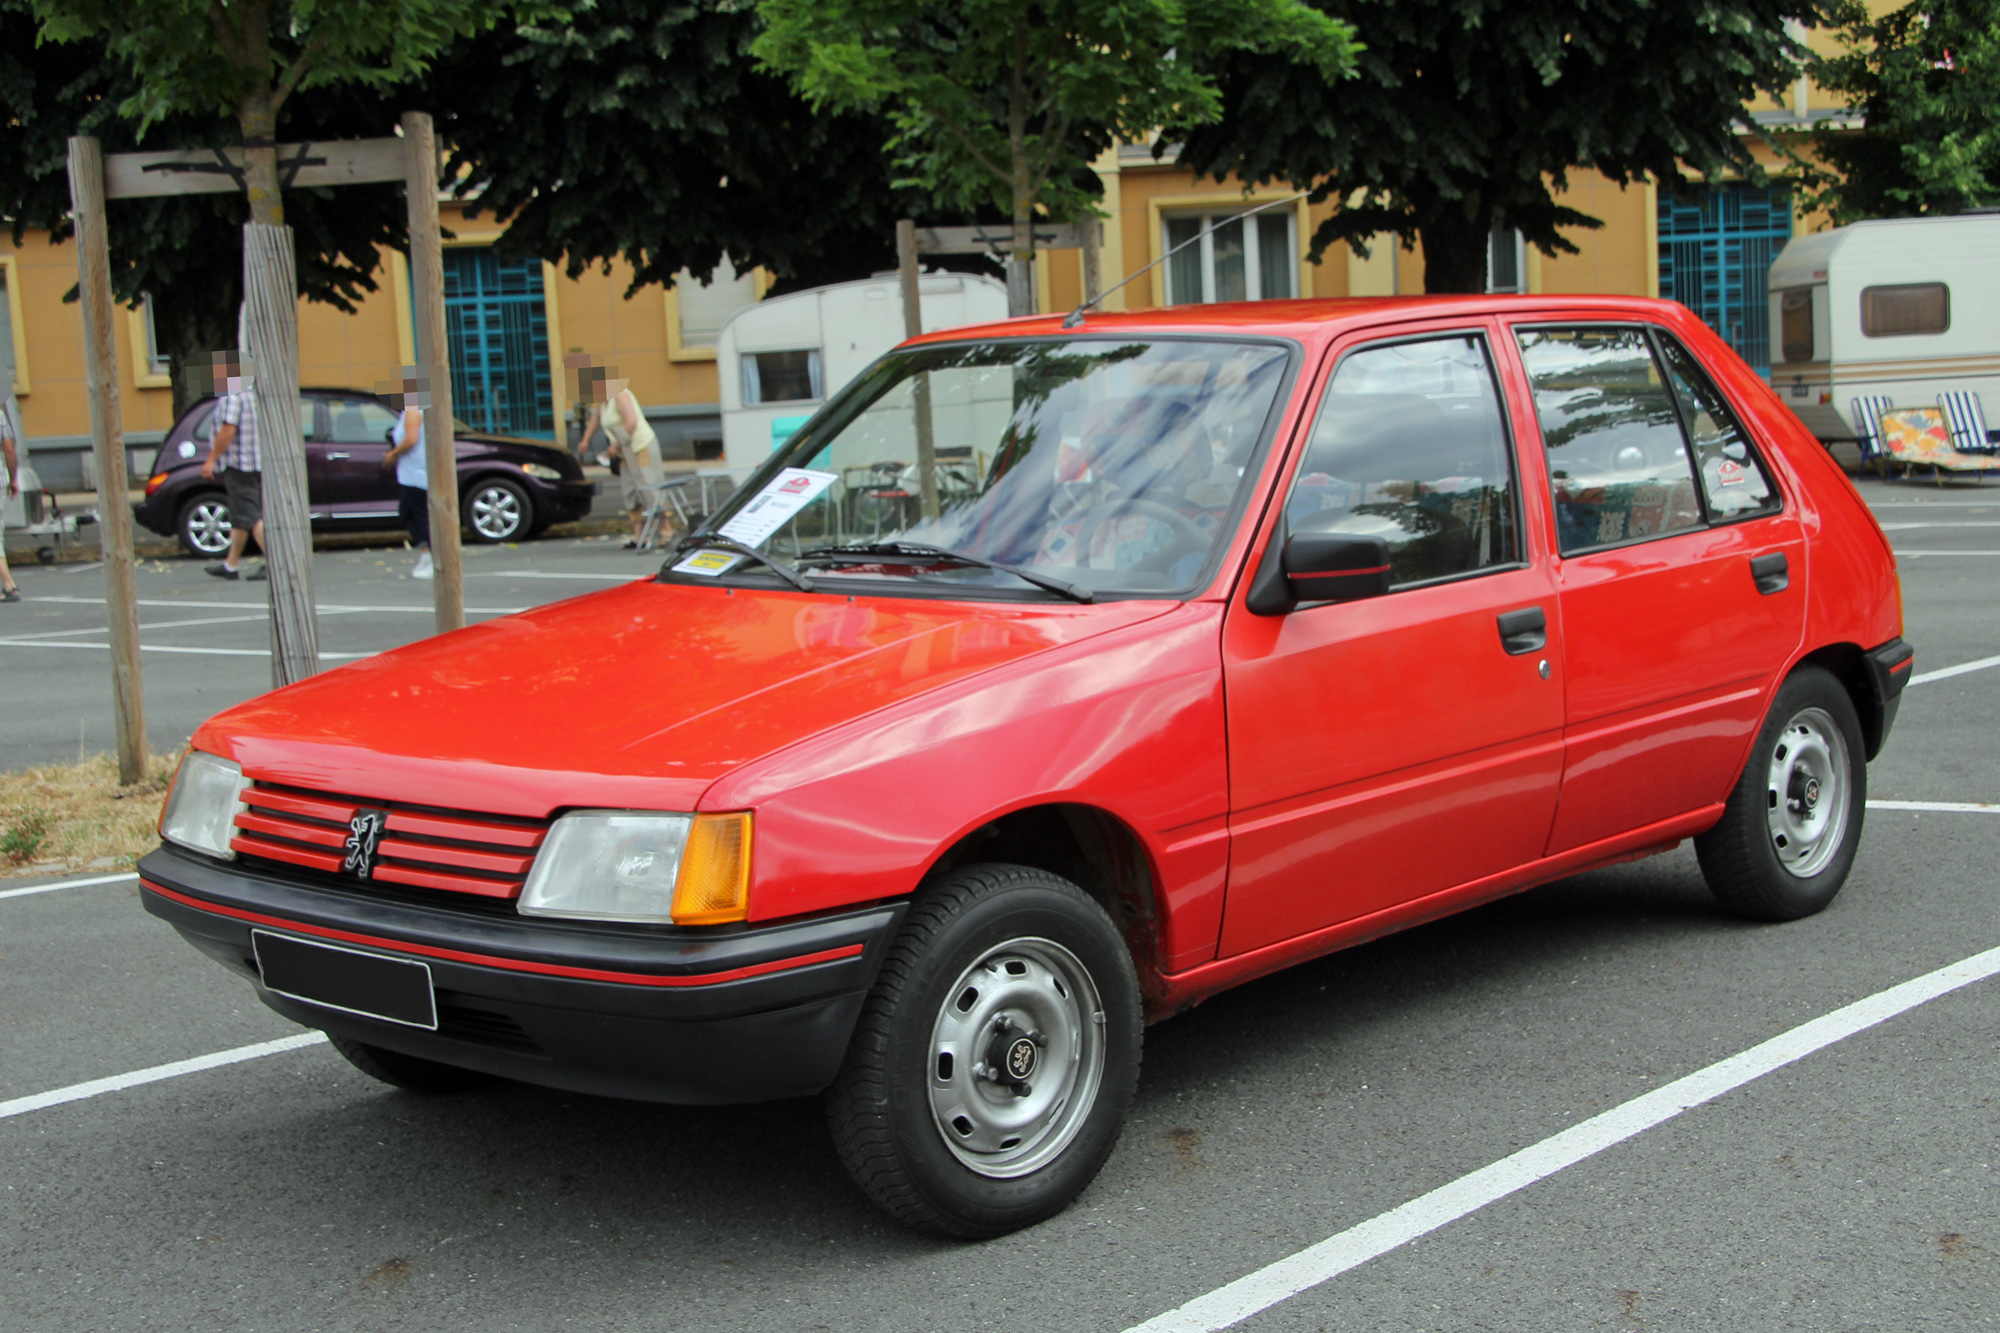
360 421
204 429
1618 467
1732 477
1411 446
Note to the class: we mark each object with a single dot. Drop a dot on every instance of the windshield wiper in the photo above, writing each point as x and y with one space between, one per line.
863 552
730 544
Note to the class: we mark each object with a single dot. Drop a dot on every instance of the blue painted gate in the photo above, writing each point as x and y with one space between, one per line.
497 326
1716 248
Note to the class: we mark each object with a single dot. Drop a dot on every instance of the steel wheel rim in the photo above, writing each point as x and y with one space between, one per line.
1027 992
208 527
495 512
1806 793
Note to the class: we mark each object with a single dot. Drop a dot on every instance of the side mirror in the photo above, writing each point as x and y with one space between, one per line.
1319 567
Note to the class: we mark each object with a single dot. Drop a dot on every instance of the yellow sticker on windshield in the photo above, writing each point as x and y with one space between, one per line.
708 563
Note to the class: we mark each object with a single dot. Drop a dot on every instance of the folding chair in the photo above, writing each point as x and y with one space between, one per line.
655 501
1868 430
1967 422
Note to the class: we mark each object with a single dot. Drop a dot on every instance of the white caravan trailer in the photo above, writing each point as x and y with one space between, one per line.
1905 308
779 359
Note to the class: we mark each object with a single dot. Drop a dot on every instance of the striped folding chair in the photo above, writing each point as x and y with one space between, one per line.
1967 421
1867 413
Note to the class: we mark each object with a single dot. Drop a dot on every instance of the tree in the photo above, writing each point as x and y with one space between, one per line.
1003 102
1469 114
185 252
1926 80
644 131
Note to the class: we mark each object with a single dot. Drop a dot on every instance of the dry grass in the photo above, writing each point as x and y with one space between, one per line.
63 817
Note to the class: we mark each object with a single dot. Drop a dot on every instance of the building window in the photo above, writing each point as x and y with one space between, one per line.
1908 307
1240 259
1506 270
781 377
156 359
705 309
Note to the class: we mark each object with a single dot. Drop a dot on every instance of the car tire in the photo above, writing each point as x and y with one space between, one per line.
1789 832
497 510
995 965
411 1073
203 524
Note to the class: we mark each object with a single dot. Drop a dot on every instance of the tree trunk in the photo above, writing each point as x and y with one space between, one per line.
271 307
1021 259
1455 235
260 157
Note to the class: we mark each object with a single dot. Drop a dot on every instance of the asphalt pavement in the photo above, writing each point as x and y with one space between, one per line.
1857 1187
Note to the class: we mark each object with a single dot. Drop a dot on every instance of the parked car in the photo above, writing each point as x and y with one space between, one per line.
1260 631
509 488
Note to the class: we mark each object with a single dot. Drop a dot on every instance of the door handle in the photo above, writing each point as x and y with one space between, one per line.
1523 631
1771 573
339 455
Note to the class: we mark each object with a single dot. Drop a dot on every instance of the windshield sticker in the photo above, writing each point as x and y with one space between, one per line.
789 492
708 564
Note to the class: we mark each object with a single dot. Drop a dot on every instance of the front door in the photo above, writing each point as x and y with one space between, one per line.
1386 749
497 328
1682 575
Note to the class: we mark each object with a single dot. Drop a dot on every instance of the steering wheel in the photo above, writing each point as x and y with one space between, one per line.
1187 536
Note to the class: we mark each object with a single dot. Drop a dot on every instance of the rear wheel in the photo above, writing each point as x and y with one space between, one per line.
409 1072
991 1070
497 510
203 525
1788 836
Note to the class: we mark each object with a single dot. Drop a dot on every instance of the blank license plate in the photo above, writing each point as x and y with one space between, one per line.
349 980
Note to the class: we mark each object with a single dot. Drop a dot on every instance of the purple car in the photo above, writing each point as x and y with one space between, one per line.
508 488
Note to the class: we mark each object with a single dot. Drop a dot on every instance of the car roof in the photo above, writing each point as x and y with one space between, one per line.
1308 319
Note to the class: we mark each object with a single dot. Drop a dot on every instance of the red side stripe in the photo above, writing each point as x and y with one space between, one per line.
511 964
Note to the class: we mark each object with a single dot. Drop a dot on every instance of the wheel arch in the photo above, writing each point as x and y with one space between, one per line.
1848 664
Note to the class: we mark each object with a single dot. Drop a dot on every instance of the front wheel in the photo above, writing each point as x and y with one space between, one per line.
1788 835
991 1069
497 510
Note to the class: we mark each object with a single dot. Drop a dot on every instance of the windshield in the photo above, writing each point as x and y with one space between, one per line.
1110 465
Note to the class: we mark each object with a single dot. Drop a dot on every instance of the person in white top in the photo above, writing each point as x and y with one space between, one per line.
10 486
406 455
615 410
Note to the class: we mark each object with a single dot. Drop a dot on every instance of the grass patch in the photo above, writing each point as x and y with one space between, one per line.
63 817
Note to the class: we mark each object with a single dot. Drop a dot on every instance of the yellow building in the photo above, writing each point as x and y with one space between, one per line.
513 322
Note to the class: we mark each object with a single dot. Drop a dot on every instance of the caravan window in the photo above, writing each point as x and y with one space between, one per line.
781 377
1795 325
1907 307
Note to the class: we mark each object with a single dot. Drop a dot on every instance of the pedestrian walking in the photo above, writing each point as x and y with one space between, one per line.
10 486
406 455
234 447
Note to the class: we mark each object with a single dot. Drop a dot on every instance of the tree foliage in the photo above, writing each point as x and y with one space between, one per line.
1926 80
1470 114
644 131
1005 102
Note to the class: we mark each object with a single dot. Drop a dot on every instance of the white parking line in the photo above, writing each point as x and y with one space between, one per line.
180 603
1945 673
68 884
1906 527
168 648
1918 555
97 1087
1308 1268
551 574
1947 807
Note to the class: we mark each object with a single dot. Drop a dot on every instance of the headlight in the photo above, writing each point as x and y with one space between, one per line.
202 806
633 865
542 470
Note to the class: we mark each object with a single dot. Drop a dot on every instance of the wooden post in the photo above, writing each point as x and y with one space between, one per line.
920 392
1093 278
427 284
271 336
107 435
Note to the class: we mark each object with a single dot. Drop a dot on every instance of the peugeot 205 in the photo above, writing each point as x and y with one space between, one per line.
1049 681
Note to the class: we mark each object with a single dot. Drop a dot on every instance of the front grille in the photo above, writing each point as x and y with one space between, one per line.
424 848
482 1026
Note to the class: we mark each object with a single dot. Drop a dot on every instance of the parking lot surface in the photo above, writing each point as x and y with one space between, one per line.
1857 1187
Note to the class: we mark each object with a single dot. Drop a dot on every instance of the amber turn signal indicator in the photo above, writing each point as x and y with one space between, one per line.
713 885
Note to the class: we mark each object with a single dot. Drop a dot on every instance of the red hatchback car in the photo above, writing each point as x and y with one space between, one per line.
1049 681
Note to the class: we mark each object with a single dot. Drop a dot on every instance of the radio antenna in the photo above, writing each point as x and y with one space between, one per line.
1075 317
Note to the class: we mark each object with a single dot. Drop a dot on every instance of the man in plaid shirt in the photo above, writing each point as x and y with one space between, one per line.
235 443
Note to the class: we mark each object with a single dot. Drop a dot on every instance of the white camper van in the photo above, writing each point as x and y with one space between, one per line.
1905 308
779 359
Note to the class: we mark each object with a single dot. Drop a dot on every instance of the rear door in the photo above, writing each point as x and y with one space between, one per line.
1681 571
1386 749
356 485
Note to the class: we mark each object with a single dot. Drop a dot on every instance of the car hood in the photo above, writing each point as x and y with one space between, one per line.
636 697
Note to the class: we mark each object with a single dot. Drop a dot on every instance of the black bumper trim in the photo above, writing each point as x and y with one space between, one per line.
1889 670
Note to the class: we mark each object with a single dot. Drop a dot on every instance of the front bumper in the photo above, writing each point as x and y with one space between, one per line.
569 500
655 1014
